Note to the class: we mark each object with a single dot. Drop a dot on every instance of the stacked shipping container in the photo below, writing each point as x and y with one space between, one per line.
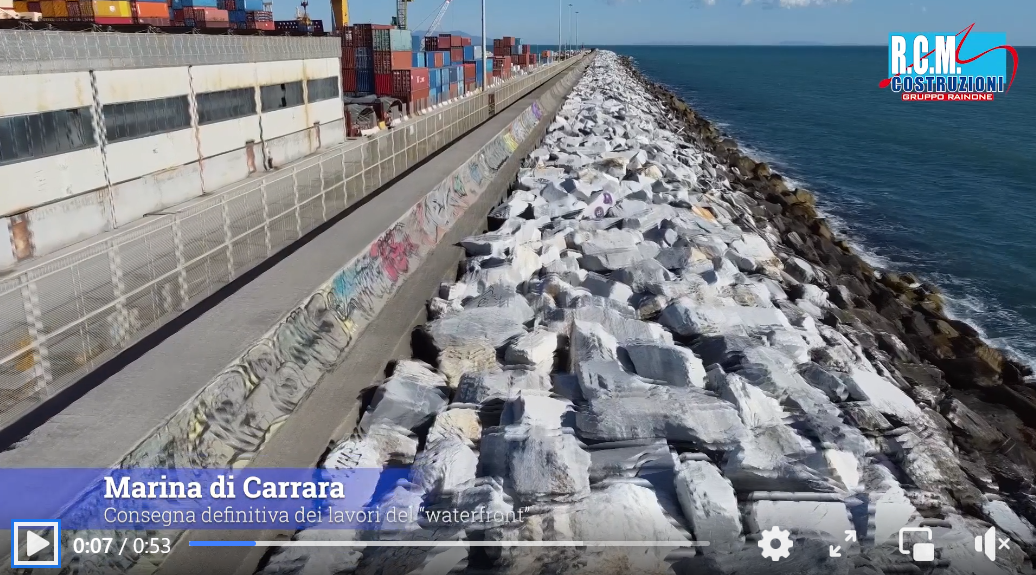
455 65
378 59
189 13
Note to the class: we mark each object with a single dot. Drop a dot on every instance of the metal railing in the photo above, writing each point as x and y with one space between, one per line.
62 318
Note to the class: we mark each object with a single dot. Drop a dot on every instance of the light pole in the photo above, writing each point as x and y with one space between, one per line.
560 18
484 71
578 47
570 27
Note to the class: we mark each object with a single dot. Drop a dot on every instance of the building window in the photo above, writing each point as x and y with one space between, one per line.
323 89
226 105
281 96
38 135
129 120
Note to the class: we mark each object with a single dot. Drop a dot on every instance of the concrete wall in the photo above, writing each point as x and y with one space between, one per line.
238 411
50 202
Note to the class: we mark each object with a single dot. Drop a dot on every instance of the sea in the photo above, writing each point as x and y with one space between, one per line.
945 190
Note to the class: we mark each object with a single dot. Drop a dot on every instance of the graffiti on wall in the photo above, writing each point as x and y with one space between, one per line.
233 417
229 421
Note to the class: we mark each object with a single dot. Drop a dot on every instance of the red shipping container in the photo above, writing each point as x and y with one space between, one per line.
445 42
383 84
454 90
152 21
349 59
470 72
508 40
262 25
526 49
440 59
349 80
410 85
348 37
215 24
386 62
178 15
456 56
419 79
457 42
466 41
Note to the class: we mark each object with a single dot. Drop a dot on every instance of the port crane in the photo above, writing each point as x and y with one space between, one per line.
400 20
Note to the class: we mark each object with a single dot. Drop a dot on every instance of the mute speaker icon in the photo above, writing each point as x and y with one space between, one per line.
986 544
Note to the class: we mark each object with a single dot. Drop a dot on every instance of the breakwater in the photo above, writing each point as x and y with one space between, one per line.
657 341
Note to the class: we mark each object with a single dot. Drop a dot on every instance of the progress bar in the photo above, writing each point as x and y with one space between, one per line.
449 543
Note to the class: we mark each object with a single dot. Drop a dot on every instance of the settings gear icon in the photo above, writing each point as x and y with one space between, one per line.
783 548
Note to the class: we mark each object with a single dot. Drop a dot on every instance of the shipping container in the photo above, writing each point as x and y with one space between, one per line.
431 43
237 16
349 59
210 15
364 59
386 62
261 25
383 84
445 42
435 77
105 9
20 6
468 54
456 55
143 10
200 4
446 58
466 41
159 22
349 80
249 5
408 85
365 81
259 16
418 60
433 95
365 33
54 9
348 37
456 41
469 72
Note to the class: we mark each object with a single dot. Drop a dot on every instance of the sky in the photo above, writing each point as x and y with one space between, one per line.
603 22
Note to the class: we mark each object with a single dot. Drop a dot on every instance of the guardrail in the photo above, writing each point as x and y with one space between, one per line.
62 318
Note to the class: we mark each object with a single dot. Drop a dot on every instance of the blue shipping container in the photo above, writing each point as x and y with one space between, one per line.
250 5
176 5
445 57
364 59
433 95
199 3
469 53
418 61
365 81
434 79
238 16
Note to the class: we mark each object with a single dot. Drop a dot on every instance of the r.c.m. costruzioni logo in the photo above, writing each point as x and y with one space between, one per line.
936 66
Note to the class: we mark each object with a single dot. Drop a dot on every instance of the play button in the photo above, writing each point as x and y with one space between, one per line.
34 543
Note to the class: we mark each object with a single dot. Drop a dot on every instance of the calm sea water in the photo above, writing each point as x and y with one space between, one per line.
944 190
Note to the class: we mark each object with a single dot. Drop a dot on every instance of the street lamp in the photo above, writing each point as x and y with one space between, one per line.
484 71
577 30
570 27
560 18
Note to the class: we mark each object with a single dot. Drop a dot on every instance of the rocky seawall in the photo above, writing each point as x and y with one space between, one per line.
659 342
